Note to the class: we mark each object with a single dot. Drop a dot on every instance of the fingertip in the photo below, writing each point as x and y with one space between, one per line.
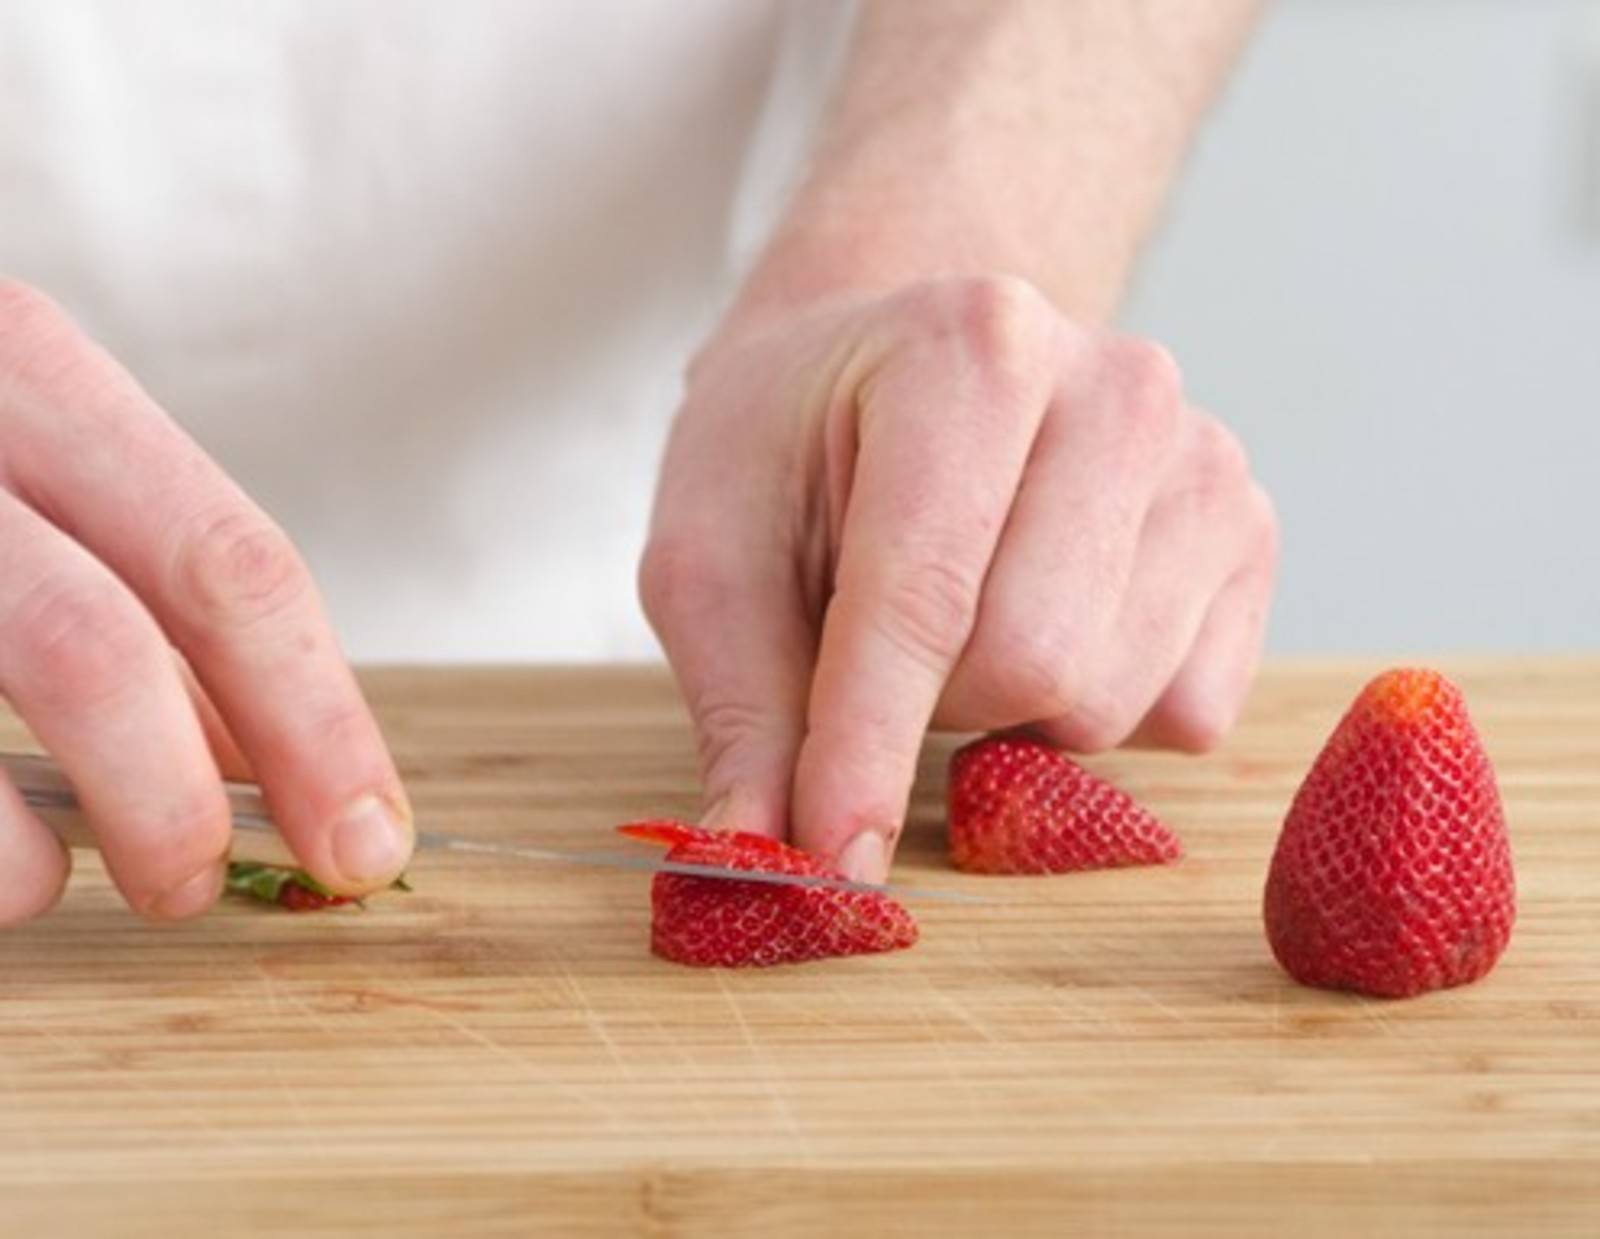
169 864
371 844
848 807
38 865
866 857
190 897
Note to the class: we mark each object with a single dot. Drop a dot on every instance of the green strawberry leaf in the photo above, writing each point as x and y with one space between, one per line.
263 882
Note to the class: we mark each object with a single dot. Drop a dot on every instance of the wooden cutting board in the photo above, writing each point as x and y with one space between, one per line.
498 1054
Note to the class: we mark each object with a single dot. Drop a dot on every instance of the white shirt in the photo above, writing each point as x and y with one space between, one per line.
421 276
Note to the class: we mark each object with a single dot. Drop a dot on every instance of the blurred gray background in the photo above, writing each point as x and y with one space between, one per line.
1383 269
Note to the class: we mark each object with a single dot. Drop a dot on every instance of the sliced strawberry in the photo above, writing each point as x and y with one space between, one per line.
663 830
720 923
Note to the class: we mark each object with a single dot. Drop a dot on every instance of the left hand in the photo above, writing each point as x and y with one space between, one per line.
947 503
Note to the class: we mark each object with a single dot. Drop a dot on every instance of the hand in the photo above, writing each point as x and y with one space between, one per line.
945 504
120 540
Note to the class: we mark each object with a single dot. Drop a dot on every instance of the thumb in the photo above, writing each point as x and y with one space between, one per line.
741 649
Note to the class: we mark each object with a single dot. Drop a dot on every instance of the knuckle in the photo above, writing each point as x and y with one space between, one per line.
78 641
928 610
333 740
1223 458
344 726
1264 512
1038 671
675 577
1213 483
1193 722
1145 367
1150 366
237 570
1004 323
725 727
1093 723
1151 384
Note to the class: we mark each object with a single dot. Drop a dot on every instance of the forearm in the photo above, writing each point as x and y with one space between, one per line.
1029 137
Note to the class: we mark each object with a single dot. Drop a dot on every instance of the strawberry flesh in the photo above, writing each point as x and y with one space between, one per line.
1392 875
298 898
719 923
1018 806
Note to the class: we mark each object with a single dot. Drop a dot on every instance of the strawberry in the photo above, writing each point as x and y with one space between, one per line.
715 923
1392 875
1019 806
293 889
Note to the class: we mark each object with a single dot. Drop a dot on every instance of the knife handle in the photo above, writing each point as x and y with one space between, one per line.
52 798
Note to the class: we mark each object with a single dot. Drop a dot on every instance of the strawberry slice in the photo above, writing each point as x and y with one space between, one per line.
718 923
1018 807
1392 874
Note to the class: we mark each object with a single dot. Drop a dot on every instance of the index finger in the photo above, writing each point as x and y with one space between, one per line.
944 434
112 470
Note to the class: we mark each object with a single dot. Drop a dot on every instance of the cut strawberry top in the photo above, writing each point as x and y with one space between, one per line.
737 843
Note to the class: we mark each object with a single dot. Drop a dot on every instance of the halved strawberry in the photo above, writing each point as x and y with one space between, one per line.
1018 806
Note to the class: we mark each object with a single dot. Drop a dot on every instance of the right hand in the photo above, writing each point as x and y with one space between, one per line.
128 558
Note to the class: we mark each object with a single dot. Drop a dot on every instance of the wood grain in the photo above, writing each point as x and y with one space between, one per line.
497 1054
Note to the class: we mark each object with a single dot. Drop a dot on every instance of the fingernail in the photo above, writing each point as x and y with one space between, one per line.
190 897
371 842
865 858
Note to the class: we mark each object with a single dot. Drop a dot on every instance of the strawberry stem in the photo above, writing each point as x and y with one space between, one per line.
290 888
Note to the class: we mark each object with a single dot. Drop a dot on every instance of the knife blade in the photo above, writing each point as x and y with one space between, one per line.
46 789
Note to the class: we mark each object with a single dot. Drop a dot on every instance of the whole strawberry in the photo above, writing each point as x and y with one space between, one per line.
1019 806
715 923
1393 872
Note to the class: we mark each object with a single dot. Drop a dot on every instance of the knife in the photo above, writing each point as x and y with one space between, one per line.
48 792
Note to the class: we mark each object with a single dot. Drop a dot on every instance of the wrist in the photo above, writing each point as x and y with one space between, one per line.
834 246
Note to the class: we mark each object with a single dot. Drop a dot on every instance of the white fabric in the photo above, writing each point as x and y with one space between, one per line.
422 276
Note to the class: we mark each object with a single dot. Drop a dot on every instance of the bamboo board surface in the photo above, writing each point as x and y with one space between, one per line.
497 1053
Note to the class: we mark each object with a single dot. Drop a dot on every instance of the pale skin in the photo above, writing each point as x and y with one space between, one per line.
126 559
914 480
